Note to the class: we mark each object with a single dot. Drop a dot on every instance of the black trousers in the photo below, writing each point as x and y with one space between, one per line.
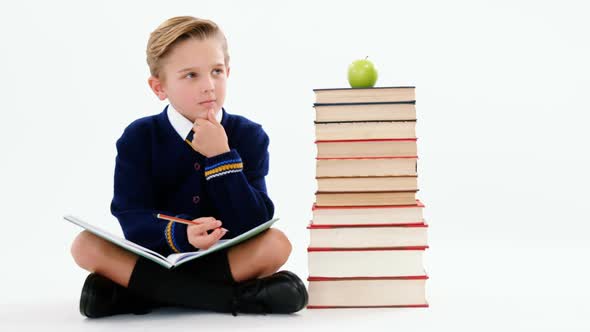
203 283
212 267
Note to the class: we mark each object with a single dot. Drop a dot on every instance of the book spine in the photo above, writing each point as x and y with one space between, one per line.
314 226
336 122
368 140
316 249
356 158
373 88
421 277
413 102
418 204
369 306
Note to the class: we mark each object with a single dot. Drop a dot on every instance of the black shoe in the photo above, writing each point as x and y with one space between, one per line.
102 297
282 293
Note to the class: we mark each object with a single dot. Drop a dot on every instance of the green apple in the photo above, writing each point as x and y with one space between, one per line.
362 74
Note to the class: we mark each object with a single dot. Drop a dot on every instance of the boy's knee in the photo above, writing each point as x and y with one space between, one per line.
279 246
85 250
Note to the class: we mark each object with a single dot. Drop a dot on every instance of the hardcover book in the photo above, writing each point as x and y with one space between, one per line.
326 131
365 112
367 183
386 292
367 148
368 215
384 237
366 95
365 198
341 167
336 263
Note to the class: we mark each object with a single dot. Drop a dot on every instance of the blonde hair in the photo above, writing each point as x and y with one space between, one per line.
177 29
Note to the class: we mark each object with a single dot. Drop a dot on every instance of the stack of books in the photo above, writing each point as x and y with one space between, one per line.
367 235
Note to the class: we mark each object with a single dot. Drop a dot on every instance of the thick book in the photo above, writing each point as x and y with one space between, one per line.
379 292
367 148
365 112
367 183
369 215
326 131
171 260
340 167
365 95
336 263
321 236
365 198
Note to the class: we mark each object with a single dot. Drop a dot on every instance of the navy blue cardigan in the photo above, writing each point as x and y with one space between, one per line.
158 172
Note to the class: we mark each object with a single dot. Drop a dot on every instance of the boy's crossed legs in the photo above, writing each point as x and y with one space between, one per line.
242 278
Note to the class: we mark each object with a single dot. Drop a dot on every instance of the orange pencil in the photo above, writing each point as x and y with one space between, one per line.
180 220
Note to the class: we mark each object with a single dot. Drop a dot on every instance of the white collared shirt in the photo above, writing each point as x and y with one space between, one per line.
182 125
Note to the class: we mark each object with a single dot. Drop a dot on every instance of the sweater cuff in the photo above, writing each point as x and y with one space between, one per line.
176 236
223 164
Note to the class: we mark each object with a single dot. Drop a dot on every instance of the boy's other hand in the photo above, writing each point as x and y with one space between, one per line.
210 138
198 234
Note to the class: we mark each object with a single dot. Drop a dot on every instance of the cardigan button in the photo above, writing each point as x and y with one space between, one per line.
197 166
196 199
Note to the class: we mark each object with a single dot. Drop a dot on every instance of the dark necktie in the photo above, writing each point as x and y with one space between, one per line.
190 135
189 139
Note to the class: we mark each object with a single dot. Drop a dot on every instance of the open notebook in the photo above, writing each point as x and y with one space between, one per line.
173 259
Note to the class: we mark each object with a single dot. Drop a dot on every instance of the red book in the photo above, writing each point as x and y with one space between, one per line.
353 198
367 183
366 166
365 262
389 215
324 236
382 292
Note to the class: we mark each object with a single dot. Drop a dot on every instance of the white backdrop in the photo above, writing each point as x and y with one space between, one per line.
502 100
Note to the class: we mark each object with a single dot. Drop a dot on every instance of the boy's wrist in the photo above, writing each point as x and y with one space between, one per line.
177 239
226 149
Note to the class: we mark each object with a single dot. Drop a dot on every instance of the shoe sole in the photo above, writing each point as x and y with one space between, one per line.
300 287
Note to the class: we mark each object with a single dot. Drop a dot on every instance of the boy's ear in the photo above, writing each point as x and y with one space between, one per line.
156 86
227 72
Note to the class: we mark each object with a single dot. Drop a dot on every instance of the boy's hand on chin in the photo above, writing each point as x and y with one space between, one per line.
210 138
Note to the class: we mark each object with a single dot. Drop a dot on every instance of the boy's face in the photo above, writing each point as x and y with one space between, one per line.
193 78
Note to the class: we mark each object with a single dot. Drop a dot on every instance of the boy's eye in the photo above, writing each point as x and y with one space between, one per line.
191 75
218 71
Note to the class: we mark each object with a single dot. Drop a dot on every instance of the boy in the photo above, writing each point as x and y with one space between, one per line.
196 161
